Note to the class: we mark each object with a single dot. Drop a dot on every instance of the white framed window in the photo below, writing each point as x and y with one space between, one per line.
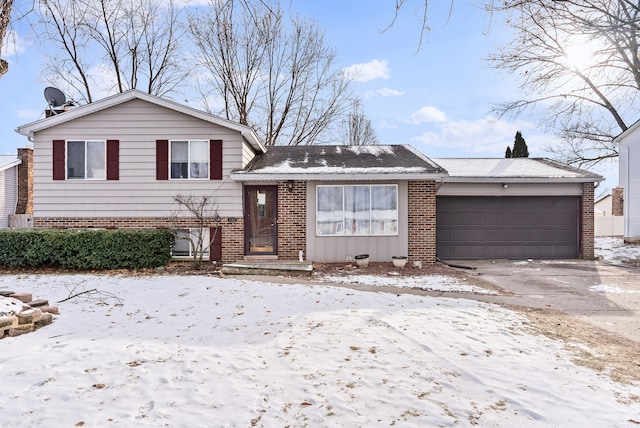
186 239
189 159
359 210
86 160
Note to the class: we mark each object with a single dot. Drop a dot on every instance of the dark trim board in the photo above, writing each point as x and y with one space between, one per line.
515 227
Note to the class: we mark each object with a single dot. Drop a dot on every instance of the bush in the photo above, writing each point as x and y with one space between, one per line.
85 249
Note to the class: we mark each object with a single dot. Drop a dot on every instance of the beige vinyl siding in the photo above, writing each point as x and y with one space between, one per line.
137 193
8 195
247 154
338 248
513 189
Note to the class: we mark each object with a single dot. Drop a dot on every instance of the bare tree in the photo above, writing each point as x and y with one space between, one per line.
199 216
357 129
132 44
273 74
588 99
5 18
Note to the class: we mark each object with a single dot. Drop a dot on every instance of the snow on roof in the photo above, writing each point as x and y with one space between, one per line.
513 168
327 162
7 161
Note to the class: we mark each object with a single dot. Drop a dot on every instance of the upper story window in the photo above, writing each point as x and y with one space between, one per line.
189 159
366 210
86 160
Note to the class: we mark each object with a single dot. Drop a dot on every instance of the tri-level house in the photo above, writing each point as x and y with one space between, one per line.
120 163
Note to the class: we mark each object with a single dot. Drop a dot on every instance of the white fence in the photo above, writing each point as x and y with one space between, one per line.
609 225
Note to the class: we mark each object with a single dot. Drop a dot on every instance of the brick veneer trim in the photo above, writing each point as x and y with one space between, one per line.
292 219
422 221
25 182
617 201
587 229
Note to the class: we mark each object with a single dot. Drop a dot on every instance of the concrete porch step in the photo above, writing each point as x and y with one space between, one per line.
268 267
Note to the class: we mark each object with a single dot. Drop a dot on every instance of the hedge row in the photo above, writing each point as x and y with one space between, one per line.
85 249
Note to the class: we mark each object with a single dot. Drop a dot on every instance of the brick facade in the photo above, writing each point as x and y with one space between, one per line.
617 201
292 219
422 221
587 227
232 228
25 182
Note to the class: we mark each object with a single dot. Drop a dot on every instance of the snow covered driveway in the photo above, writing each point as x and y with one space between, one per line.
199 352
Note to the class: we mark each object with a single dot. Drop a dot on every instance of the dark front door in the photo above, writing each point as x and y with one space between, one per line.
517 227
261 220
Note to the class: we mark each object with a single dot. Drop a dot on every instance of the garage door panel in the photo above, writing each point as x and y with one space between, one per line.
507 227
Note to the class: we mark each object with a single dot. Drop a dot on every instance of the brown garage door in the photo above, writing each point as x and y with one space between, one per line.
507 227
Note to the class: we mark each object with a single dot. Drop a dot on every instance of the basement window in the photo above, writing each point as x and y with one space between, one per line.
187 240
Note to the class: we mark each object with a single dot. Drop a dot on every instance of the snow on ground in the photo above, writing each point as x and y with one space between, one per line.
188 351
428 283
614 249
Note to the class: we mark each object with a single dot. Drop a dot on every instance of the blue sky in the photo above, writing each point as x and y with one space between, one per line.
437 99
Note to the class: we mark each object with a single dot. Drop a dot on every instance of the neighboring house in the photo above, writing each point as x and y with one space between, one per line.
603 206
515 208
608 215
8 188
629 179
119 162
15 185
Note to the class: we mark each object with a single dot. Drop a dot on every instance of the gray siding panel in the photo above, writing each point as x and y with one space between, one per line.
334 249
513 189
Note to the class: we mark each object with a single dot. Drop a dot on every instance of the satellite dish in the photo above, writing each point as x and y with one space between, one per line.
54 97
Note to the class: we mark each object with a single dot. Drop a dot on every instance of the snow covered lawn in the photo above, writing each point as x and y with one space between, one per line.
186 351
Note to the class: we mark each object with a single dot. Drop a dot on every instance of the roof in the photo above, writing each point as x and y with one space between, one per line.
513 170
340 163
619 139
603 198
31 128
7 161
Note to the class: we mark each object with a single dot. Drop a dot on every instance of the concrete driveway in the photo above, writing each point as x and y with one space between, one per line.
602 294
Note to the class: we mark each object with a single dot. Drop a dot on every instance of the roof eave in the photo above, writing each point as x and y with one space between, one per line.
31 128
532 180
244 176
11 164
630 130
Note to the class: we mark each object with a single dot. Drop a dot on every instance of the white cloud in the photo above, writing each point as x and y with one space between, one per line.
488 136
386 124
30 114
383 92
185 3
14 44
374 69
427 114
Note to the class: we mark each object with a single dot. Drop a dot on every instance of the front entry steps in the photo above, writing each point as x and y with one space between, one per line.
268 267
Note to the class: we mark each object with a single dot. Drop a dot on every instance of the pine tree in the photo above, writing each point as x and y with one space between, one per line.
520 149
508 153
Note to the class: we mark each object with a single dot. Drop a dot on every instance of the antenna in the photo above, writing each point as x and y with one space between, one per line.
56 98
